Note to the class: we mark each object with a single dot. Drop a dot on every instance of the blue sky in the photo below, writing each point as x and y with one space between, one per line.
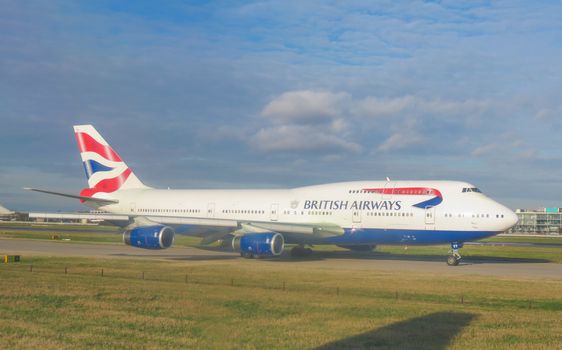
282 94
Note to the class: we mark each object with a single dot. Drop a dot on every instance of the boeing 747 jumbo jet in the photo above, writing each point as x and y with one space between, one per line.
355 215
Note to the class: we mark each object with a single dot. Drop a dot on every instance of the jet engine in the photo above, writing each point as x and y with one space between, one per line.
150 237
259 244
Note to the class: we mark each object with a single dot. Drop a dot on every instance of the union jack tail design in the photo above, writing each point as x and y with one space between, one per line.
105 170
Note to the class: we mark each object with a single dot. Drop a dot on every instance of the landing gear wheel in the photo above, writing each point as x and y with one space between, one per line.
454 257
452 260
247 255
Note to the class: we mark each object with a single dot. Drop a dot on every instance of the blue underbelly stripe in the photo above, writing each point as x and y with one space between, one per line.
404 236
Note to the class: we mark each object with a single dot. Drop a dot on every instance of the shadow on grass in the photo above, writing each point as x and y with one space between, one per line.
198 257
218 253
467 260
202 253
433 331
318 255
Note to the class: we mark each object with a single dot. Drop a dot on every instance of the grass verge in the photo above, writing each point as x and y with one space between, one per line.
260 304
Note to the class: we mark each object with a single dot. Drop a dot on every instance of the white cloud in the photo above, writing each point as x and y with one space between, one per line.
485 150
304 106
506 149
402 139
295 138
455 107
306 120
374 106
528 154
549 114
338 125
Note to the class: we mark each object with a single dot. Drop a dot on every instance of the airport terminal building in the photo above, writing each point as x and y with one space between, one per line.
545 221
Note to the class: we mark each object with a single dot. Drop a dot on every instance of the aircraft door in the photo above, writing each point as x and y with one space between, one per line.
274 213
356 216
211 210
473 221
429 218
133 207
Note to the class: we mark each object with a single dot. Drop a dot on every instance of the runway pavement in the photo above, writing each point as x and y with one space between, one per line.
338 260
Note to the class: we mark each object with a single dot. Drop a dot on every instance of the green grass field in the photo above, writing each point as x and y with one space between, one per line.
249 304
252 304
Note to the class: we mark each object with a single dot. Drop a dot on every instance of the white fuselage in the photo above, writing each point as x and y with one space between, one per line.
375 207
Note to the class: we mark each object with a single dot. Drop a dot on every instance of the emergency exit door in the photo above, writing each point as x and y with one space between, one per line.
429 217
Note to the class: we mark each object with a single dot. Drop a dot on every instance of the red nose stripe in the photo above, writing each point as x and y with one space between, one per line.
413 191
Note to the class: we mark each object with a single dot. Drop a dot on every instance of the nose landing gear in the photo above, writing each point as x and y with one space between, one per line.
454 257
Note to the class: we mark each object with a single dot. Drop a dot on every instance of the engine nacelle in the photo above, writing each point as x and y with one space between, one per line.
259 244
150 237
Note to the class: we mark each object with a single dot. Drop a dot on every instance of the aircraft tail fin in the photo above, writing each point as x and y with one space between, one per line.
105 170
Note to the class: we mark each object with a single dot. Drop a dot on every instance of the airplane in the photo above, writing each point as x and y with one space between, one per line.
5 212
355 215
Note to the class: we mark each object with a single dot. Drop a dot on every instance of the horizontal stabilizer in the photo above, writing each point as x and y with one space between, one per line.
84 198
79 216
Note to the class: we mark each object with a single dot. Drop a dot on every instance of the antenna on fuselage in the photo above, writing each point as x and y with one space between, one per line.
388 179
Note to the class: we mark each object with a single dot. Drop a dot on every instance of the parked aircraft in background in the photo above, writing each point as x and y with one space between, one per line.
357 215
4 212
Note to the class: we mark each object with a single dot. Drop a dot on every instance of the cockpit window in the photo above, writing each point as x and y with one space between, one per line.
471 189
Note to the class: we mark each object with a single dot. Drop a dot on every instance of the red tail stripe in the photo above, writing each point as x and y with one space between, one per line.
406 191
107 185
87 144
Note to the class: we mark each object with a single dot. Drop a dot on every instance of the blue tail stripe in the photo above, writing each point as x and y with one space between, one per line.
91 167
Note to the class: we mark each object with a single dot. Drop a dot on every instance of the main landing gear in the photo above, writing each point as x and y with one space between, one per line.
300 251
454 257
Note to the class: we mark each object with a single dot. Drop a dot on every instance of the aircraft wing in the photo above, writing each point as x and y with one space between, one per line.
319 230
212 229
80 216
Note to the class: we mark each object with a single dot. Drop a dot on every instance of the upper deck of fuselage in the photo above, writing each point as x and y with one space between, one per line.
340 189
